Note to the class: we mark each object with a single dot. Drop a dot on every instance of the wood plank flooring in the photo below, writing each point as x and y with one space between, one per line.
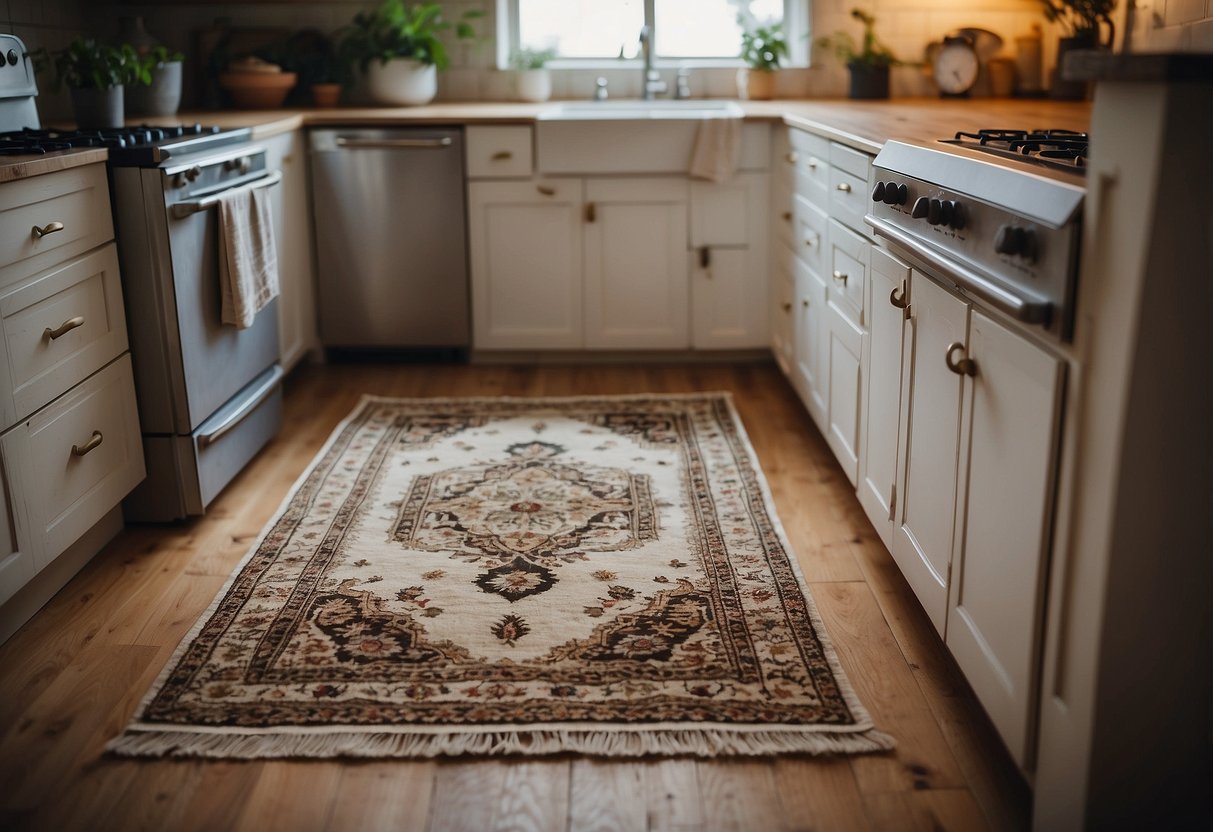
70 678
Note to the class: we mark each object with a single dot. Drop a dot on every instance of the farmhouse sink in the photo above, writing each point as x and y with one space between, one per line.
588 137
640 110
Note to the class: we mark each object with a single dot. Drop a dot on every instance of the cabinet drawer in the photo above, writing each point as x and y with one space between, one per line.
810 243
59 328
812 167
783 161
855 162
848 199
47 219
74 460
848 270
499 152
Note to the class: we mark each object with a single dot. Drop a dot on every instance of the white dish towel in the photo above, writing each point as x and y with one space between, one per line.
717 149
248 258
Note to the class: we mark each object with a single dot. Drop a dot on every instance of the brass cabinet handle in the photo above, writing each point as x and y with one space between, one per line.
811 241
841 277
49 228
502 155
965 366
805 303
898 297
787 307
787 215
791 157
705 258
591 213
545 190
845 187
63 328
90 445
813 163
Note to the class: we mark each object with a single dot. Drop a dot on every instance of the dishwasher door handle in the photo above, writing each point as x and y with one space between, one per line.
356 144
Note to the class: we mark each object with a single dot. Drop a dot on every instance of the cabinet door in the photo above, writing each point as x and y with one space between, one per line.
810 342
525 241
293 234
994 617
783 293
843 350
930 442
16 562
888 290
636 264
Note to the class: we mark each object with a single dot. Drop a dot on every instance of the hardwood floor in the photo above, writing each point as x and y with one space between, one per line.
70 678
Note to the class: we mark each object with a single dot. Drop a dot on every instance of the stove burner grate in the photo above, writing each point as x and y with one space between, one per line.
38 142
1065 149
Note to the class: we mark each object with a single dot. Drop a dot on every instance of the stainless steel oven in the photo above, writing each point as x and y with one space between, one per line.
209 394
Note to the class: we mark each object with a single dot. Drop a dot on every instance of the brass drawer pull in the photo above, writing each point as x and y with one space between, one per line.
502 155
787 215
812 241
90 445
805 303
841 277
49 228
965 366
787 307
545 190
63 328
845 187
898 297
591 213
791 158
813 163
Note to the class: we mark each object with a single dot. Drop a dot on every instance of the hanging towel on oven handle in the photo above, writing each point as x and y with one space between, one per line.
248 256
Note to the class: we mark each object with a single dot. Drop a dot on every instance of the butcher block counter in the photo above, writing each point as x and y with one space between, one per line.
13 168
864 125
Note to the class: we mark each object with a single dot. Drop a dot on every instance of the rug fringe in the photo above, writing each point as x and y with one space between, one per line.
699 743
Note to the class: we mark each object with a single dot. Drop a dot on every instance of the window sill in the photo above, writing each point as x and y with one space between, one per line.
665 64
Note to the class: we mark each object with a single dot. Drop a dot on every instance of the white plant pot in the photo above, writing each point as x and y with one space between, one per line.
402 81
533 84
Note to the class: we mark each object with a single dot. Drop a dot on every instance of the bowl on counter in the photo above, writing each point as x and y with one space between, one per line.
258 90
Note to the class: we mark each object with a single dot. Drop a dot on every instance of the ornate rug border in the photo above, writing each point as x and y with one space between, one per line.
140 739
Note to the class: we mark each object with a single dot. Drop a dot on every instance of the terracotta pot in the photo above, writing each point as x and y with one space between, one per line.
868 82
258 90
402 81
326 95
756 84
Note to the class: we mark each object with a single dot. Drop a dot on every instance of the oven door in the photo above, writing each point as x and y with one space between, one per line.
216 361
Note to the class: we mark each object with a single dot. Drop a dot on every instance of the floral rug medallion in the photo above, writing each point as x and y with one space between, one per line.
514 576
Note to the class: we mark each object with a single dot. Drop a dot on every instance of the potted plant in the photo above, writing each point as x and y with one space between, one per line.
162 95
531 77
1081 19
95 74
399 50
868 63
762 48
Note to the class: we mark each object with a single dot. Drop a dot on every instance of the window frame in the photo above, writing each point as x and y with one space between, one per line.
796 23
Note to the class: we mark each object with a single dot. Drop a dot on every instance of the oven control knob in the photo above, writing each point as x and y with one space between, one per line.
878 193
193 173
937 212
896 194
11 57
921 208
956 214
1013 240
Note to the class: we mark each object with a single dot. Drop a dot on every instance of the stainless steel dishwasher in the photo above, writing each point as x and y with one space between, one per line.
391 238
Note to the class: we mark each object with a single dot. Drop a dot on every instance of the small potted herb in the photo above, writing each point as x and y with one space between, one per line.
162 95
763 47
868 62
95 74
531 77
1081 19
399 49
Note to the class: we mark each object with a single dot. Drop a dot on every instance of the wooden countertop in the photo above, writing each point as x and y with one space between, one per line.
13 168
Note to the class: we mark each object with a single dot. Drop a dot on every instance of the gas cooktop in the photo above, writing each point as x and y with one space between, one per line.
141 146
1057 149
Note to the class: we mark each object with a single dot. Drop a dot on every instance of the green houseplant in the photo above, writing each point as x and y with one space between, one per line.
95 74
867 61
399 49
763 48
1081 20
531 77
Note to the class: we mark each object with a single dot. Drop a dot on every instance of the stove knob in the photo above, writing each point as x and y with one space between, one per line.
1010 239
921 208
956 214
935 211
11 57
179 181
878 193
896 194
193 173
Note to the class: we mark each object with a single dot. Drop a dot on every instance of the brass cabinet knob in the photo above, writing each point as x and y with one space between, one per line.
841 277
845 187
965 366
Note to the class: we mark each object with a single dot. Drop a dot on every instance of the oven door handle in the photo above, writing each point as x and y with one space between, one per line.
1026 309
244 411
181 210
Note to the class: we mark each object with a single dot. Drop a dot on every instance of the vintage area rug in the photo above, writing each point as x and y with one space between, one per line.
514 576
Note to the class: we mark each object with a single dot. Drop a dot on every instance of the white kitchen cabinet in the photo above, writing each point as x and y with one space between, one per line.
1008 463
635 253
730 242
886 304
783 293
297 335
525 241
16 561
810 372
930 444
844 349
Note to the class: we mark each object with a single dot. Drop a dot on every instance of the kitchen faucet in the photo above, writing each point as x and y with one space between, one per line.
652 83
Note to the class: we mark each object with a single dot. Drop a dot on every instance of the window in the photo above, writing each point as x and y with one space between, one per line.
684 31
